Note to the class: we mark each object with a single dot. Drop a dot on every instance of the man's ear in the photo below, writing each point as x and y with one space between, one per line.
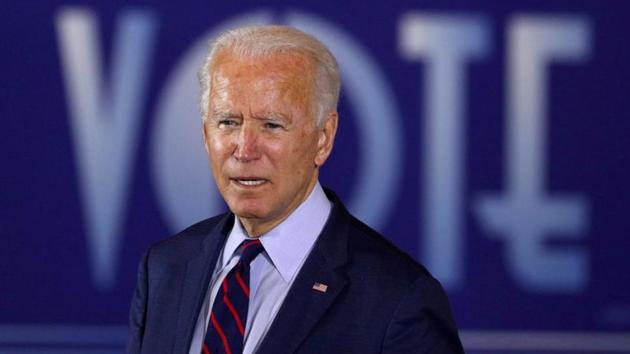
205 137
326 138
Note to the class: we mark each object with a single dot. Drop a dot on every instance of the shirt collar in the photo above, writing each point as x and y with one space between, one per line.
288 244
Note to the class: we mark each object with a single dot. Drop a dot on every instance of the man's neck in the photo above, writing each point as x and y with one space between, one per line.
255 227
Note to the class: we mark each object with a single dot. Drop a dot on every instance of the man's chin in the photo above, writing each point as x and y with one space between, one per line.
248 211
255 222
249 215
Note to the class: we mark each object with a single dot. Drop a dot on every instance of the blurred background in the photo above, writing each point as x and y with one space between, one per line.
488 139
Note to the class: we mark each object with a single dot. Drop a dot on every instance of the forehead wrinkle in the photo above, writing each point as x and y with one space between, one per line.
293 87
219 98
287 76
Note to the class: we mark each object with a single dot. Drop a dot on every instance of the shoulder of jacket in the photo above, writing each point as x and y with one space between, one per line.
187 240
382 256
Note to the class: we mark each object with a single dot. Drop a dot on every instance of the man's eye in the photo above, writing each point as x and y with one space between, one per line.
273 126
227 123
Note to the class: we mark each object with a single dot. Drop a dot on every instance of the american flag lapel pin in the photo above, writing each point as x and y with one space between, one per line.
320 287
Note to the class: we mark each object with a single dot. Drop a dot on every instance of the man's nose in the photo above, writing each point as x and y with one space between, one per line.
247 144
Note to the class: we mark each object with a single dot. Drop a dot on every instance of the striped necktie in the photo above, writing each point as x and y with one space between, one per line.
226 328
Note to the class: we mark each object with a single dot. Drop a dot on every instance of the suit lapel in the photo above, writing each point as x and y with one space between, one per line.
304 306
197 276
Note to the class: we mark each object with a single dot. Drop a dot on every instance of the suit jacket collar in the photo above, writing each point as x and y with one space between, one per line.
196 278
304 305
291 325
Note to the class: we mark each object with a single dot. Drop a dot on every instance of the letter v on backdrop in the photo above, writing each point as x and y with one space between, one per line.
105 120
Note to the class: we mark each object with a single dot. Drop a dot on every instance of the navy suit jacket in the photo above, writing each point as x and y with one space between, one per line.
378 299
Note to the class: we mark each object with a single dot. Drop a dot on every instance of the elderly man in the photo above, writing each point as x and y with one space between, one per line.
288 270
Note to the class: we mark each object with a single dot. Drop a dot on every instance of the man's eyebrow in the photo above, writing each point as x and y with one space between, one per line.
272 116
217 115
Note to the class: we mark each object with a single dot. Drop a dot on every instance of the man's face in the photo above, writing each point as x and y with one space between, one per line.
261 137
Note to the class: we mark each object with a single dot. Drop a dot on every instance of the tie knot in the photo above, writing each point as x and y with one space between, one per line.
249 250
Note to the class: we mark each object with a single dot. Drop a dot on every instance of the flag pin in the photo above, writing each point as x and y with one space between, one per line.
320 287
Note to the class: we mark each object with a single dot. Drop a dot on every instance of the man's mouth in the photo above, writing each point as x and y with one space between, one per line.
250 182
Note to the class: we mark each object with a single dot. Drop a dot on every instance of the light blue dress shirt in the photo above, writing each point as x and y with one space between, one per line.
271 273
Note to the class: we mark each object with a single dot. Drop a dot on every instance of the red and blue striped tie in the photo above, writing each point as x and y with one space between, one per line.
226 328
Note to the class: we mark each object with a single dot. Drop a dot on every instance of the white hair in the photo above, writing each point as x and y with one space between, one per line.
265 41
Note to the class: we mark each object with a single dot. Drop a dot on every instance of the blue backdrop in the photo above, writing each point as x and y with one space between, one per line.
488 139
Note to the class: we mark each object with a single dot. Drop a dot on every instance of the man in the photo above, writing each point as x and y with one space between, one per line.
288 270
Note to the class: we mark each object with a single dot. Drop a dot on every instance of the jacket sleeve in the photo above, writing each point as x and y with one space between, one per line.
422 322
137 313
